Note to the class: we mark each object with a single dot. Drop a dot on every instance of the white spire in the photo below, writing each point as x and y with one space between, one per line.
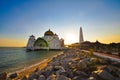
81 36
30 44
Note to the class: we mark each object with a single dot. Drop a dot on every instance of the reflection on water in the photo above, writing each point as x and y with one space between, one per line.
12 59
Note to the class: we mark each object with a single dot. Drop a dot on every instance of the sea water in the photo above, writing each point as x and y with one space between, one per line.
13 59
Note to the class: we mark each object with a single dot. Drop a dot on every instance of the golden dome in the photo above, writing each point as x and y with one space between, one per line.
48 33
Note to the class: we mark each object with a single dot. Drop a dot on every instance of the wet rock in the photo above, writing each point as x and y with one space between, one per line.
3 76
41 77
104 75
33 76
14 75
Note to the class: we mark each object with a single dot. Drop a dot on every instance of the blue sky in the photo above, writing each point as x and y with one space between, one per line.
100 19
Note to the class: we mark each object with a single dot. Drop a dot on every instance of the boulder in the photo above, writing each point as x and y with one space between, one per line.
52 77
80 73
24 78
113 70
62 77
79 78
41 77
3 76
47 71
81 65
92 78
14 75
36 70
104 75
72 65
33 76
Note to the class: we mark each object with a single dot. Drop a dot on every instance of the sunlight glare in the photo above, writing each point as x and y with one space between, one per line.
70 38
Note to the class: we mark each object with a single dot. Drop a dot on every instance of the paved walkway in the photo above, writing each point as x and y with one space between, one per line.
104 56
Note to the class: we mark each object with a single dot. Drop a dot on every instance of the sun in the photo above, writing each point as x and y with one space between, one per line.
69 38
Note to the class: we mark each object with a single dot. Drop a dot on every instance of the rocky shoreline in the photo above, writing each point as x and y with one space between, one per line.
75 65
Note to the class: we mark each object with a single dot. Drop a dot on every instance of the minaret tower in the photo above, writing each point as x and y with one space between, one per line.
81 36
30 44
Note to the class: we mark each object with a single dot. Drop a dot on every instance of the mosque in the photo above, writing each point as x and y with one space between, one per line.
49 41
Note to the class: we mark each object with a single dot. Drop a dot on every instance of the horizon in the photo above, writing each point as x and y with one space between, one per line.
100 20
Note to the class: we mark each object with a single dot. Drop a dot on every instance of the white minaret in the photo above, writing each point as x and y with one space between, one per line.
30 44
81 36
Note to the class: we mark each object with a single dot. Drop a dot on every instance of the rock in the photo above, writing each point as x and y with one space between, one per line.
104 75
117 64
117 78
24 78
113 70
69 73
47 71
33 76
14 75
118 73
72 65
52 77
79 78
107 61
62 77
80 73
93 59
81 65
36 70
3 76
92 78
59 68
41 77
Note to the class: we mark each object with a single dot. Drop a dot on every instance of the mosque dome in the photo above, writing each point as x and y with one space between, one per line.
48 33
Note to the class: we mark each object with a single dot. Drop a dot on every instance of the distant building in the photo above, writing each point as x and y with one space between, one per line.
31 41
81 40
49 41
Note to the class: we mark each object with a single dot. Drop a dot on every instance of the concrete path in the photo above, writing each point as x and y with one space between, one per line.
104 56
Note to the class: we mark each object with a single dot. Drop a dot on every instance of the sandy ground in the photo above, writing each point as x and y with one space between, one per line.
28 70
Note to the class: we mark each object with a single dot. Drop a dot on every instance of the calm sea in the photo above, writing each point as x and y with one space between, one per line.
13 59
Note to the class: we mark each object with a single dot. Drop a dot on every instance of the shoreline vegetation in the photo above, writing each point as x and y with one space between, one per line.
72 64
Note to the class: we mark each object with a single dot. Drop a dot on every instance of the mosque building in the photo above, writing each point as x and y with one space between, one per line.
49 41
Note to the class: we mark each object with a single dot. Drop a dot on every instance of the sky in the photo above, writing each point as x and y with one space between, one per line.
99 19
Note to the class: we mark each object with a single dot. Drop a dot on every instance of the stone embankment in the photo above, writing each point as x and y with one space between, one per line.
77 65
